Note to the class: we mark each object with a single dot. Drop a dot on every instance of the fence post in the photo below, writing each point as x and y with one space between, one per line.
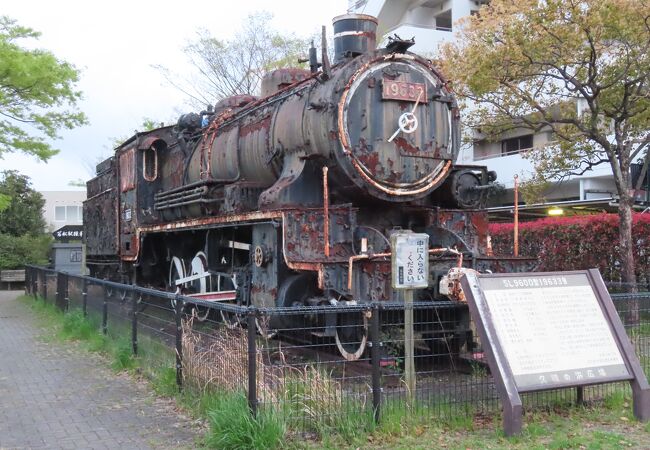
84 297
34 281
179 342
375 347
67 293
58 294
134 322
580 396
105 313
27 282
45 286
252 362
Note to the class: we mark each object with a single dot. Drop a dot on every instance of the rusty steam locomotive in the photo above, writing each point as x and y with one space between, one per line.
290 198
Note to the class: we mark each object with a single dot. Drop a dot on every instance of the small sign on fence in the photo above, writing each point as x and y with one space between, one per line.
544 331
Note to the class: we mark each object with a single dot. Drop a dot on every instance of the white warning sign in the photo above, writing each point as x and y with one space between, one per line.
410 260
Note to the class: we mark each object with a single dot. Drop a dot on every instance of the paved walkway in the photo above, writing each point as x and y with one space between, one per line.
58 396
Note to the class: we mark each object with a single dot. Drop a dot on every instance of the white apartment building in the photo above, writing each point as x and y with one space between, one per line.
63 208
433 22
429 21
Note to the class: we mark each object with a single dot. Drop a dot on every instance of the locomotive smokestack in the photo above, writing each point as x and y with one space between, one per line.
354 34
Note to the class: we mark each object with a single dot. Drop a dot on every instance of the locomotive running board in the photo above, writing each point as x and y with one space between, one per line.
216 296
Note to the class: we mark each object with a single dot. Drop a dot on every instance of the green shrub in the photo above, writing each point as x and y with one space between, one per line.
15 252
575 243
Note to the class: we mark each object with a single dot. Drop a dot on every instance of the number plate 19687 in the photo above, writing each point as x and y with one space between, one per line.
400 90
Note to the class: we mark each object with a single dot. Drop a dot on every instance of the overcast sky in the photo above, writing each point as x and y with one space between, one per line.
114 44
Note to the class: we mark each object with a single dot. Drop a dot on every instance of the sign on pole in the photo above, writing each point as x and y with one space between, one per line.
410 260
410 270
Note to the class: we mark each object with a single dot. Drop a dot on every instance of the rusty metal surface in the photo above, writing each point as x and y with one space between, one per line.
354 34
180 225
127 170
280 79
99 214
395 170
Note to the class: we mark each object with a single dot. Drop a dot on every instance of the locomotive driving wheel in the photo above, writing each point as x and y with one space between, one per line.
263 325
176 272
351 334
230 319
199 266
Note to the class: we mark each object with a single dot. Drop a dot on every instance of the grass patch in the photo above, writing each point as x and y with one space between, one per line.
164 383
233 427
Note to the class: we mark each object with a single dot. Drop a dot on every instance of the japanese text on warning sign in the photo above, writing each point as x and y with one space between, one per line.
410 261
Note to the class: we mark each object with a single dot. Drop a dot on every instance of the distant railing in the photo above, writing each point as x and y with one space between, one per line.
287 360
501 154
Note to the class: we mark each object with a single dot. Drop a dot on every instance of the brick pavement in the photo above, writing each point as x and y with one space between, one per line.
59 396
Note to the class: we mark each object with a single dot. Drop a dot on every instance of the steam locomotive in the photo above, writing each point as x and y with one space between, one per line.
291 198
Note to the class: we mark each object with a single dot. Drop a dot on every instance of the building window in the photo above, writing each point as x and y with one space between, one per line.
70 213
517 144
59 213
444 21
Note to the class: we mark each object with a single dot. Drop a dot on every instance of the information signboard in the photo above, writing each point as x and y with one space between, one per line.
545 331
410 260
552 330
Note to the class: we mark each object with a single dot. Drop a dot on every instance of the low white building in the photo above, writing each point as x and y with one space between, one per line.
63 208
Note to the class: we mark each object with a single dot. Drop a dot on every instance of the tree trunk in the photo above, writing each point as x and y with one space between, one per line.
626 255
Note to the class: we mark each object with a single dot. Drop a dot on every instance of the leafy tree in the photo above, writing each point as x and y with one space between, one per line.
235 66
22 237
24 215
37 94
15 252
578 68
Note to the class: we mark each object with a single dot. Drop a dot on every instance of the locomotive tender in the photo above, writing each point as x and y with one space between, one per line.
290 198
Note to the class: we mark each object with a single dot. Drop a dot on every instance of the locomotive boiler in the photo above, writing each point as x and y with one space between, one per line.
290 198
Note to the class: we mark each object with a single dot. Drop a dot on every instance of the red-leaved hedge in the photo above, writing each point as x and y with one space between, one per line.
579 242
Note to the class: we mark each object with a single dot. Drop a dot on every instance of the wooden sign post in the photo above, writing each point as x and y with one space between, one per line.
543 331
410 269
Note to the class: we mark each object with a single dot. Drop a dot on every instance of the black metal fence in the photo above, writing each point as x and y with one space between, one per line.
289 363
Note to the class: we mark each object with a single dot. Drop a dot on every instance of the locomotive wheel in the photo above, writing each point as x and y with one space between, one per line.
263 325
176 272
351 335
294 291
199 266
230 320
